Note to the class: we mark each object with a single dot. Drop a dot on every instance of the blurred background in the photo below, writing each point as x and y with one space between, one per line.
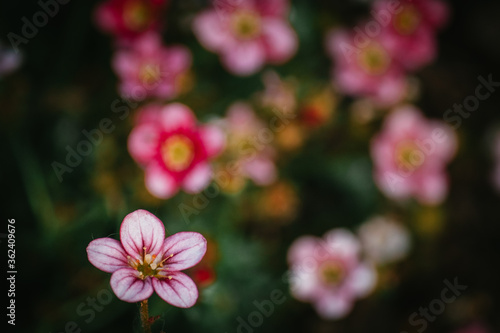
62 82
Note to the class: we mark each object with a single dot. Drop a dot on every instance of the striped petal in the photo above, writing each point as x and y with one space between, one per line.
128 287
107 254
178 290
139 230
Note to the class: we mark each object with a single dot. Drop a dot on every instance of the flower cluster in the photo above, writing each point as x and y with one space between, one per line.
250 141
330 272
372 59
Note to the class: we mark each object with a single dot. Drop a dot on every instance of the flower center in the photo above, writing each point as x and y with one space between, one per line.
136 15
149 265
331 273
177 152
407 21
150 73
245 24
374 59
409 155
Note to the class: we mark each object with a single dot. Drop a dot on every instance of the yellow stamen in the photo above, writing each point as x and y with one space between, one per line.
177 152
407 21
374 59
245 24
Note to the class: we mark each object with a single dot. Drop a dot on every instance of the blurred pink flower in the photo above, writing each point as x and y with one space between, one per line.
255 160
410 33
151 69
247 33
144 261
10 60
174 151
328 272
129 19
384 240
278 93
410 156
366 72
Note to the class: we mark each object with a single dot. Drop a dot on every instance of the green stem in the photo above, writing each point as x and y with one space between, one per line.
146 324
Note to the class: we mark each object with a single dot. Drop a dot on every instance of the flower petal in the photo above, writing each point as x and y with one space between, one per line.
176 116
107 254
198 178
210 30
178 290
128 287
362 280
261 170
143 142
187 249
141 229
334 305
281 40
159 182
244 58
303 249
343 243
213 138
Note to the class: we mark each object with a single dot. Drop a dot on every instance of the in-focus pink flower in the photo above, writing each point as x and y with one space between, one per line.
144 261
174 151
410 155
128 19
410 33
369 71
255 159
328 272
149 69
384 239
247 33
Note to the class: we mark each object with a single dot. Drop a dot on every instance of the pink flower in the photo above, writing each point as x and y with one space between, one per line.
10 60
328 273
173 150
144 260
255 160
366 72
410 156
129 19
149 69
247 33
410 33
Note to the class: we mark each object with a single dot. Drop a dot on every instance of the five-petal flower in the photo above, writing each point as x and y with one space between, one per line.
144 261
